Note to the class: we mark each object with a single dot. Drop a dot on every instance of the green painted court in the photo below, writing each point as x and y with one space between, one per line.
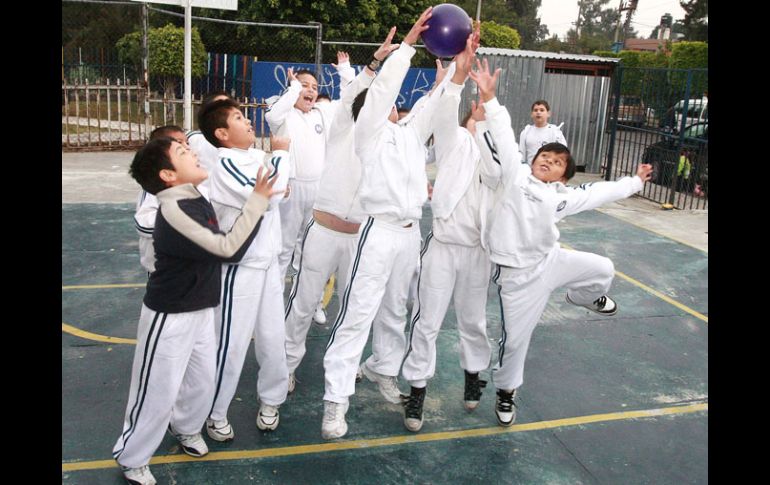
606 400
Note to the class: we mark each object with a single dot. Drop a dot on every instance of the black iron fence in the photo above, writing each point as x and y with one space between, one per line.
660 117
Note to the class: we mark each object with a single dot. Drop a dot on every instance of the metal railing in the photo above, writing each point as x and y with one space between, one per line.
111 116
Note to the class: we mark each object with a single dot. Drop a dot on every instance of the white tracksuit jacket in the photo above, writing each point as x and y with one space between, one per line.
524 243
251 304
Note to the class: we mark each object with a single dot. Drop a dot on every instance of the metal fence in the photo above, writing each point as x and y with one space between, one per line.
660 116
111 116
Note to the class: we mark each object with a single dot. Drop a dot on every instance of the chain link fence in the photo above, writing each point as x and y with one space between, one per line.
105 102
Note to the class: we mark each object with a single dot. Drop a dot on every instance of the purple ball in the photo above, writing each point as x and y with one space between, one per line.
449 28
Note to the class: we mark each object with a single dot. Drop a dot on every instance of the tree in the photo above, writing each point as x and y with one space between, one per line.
517 14
361 21
496 35
166 45
696 23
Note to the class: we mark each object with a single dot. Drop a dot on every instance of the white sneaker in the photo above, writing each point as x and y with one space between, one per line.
604 305
219 430
334 424
319 316
138 476
267 418
192 444
386 384
292 382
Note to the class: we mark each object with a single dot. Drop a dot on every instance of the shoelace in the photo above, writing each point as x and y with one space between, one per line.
600 302
413 405
505 402
390 384
473 389
330 412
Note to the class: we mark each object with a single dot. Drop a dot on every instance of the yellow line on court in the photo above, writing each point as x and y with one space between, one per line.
663 297
655 292
99 287
95 336
397 440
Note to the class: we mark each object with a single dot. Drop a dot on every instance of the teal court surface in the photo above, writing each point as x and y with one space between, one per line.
606 400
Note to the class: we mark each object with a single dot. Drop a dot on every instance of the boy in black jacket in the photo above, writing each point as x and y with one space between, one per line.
172 377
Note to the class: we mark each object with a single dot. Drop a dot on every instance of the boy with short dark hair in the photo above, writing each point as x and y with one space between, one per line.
172 377
524 241
539 132
147 204
252 293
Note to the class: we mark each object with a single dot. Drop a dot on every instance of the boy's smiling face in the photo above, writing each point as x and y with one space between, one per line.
309 93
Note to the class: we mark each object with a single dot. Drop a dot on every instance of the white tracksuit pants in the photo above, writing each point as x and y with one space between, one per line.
324 252
296 213
524 295
251 306
377 290
460 273
172 381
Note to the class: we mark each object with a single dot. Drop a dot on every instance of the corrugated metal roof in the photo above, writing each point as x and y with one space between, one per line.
495 51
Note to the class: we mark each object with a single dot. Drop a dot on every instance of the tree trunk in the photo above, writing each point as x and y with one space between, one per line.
169 95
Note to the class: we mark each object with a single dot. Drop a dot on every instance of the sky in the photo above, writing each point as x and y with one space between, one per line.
560 15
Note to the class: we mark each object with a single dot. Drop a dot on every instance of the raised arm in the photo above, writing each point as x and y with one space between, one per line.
382 94
495 132
590 196
202 243
277 112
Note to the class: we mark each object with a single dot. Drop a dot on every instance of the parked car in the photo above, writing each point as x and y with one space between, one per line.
632 111
697 111
664 156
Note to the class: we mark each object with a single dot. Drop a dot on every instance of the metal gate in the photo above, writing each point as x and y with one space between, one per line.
660 116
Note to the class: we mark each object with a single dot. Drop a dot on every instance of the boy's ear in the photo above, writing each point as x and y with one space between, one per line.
221 134
167 175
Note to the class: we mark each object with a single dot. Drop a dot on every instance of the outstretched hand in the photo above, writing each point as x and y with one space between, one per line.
419 27
263 184
290 75
486 82
644 171
342 57
386 47
464 60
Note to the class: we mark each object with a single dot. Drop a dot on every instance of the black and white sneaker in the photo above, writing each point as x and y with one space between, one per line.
473 386
138 476
219 430
413 409
192 444
505 408
604 305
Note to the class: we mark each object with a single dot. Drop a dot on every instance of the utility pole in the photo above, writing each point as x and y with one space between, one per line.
577 22
616 46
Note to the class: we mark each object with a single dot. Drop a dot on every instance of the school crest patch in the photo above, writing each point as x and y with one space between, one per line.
319 128
561 206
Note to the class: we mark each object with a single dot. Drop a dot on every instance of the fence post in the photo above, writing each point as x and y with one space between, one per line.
680 143
318 48
146 72
614 124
